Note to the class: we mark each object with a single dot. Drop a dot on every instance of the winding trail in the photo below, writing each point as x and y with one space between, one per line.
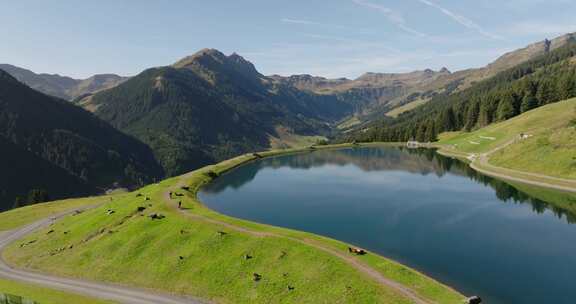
111 292
482 165
351 260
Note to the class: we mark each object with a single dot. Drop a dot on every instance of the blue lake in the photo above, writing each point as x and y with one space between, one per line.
506 243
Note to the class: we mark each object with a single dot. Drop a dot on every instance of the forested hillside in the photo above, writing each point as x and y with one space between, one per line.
208 107
58 142
546 79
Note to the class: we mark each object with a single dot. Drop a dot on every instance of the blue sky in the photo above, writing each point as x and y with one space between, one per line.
332 38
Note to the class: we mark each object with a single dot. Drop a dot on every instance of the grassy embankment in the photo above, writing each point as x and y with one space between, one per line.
29 214
25 215
547 155
200 253
43 295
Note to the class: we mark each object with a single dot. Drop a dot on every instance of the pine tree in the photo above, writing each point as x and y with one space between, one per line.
505 110
528 103
447 120
36 196
546 93
472 116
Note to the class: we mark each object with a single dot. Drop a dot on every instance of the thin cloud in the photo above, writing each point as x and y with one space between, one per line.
464 21
305 22
299 21
392 16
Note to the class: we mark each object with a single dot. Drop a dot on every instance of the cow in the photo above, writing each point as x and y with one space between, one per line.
356 251
474 300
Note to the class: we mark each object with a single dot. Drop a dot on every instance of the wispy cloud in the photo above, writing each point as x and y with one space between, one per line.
392 16
464 21
304 22
299 21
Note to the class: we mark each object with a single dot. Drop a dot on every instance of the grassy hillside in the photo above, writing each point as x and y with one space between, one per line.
26 215
543 80
202 253
549 149
44 295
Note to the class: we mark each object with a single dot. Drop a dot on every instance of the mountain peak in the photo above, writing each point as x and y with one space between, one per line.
211 60
203 55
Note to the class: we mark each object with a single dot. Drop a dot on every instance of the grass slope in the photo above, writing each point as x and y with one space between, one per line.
26 215
187 254
44 295
549 150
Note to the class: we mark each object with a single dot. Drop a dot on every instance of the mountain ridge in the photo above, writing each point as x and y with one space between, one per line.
67 141
63 87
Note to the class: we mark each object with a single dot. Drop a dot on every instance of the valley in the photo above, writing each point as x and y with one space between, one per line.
361 152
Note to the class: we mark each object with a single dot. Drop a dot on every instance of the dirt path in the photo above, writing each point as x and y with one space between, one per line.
119 294
351 260
482 165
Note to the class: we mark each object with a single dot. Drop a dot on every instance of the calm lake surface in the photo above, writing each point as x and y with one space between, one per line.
480 235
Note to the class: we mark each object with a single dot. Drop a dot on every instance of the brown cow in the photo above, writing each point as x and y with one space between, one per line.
356 251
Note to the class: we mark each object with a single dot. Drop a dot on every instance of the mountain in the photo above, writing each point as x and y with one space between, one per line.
53 145
208 107
379 94
547 78
370 94
61 86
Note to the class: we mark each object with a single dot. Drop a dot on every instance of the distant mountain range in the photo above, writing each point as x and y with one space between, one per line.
210 106
544 73
50 144
377 94
62 86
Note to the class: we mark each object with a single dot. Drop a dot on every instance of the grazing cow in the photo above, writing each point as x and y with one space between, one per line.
222 233
290 287
140 209
357 251
257 277
156 216
247 257
474 300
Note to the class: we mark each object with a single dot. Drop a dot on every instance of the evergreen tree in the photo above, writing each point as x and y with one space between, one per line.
447 120
472 116
36 196
528 103
546 93
505 110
